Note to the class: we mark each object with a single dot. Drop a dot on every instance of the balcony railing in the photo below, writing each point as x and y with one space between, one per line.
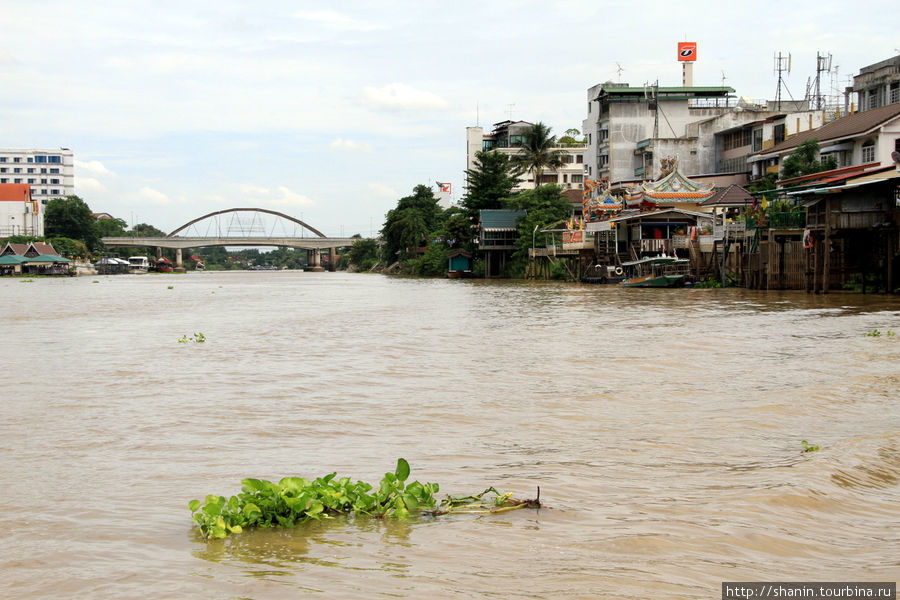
787 220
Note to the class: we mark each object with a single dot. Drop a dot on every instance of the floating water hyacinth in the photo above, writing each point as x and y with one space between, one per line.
295 500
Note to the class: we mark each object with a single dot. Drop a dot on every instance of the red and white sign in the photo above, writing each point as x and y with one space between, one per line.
687 51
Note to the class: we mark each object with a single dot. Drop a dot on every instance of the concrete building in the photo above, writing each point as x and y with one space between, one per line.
629 129
19 213
49 173
878 85
507 136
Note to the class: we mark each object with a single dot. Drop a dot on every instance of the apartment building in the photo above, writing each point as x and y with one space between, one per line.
507 136
878 85
49 172
629 128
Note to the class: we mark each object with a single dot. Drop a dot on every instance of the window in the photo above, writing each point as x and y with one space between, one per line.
54 170
43 170
778 133
54 159
757 140
44 192
4 180
895 92
2 159
40 159
17 159
736 139
31 180
31 169
54 192
577 178
44 181
17 180
2 169
30 159
54 181
579 158
17 170
868 151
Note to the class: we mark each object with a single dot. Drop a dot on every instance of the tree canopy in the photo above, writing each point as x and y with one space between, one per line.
539 152
805 161
71 217
410 224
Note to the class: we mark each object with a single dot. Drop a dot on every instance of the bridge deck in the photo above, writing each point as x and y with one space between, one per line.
307 243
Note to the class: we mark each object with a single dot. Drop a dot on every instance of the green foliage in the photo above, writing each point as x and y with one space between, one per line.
492 180
71 217
805 161
68 247
544 206
539 152
765 184
410 224
877 333
197 338
363 253
111 228
807 447
434 262
294 500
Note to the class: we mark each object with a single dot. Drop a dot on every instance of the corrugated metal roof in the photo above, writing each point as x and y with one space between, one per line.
500 220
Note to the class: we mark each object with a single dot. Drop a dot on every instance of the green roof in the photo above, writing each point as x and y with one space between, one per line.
46 258
499 219
12 259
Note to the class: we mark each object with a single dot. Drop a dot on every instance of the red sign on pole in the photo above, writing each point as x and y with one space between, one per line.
687 51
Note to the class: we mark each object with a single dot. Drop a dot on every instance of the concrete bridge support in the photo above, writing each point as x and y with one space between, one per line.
179 263
314 260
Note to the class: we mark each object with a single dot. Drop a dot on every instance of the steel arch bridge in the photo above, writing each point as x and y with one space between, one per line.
240 227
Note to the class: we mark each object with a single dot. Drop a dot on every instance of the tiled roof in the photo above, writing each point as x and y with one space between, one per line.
733 195
845 127
14 249
15 192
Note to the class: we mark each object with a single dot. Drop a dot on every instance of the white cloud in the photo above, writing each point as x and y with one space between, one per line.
246 188
342 144
154 196
94 166
402 96
383 191
279 196
88 186
335 20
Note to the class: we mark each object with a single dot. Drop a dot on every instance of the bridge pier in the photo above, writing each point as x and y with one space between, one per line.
314 260
179 264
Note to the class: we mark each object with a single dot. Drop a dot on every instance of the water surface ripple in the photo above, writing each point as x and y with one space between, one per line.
664 428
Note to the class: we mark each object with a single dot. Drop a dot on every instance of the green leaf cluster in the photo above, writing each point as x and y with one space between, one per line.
294 500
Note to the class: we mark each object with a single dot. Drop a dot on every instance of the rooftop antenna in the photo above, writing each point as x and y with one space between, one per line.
619 70
782 65
823 65
723 78
509 110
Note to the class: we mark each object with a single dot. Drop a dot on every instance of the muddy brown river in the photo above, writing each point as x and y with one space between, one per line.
664 428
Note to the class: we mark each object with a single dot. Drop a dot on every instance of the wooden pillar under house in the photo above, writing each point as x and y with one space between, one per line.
826 248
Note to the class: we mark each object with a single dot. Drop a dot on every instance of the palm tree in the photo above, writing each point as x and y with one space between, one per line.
539 152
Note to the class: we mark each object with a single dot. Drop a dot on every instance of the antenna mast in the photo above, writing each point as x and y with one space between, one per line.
823 65
782 64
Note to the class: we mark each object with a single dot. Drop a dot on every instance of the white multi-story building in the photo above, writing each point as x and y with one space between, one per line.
50 173
507 136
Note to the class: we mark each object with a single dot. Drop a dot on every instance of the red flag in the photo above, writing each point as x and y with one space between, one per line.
445 187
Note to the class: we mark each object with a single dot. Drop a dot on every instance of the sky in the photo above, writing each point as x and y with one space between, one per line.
331 112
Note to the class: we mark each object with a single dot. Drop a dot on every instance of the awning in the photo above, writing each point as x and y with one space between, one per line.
835 188
836 147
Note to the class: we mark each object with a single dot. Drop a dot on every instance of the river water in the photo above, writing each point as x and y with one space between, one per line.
663 427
